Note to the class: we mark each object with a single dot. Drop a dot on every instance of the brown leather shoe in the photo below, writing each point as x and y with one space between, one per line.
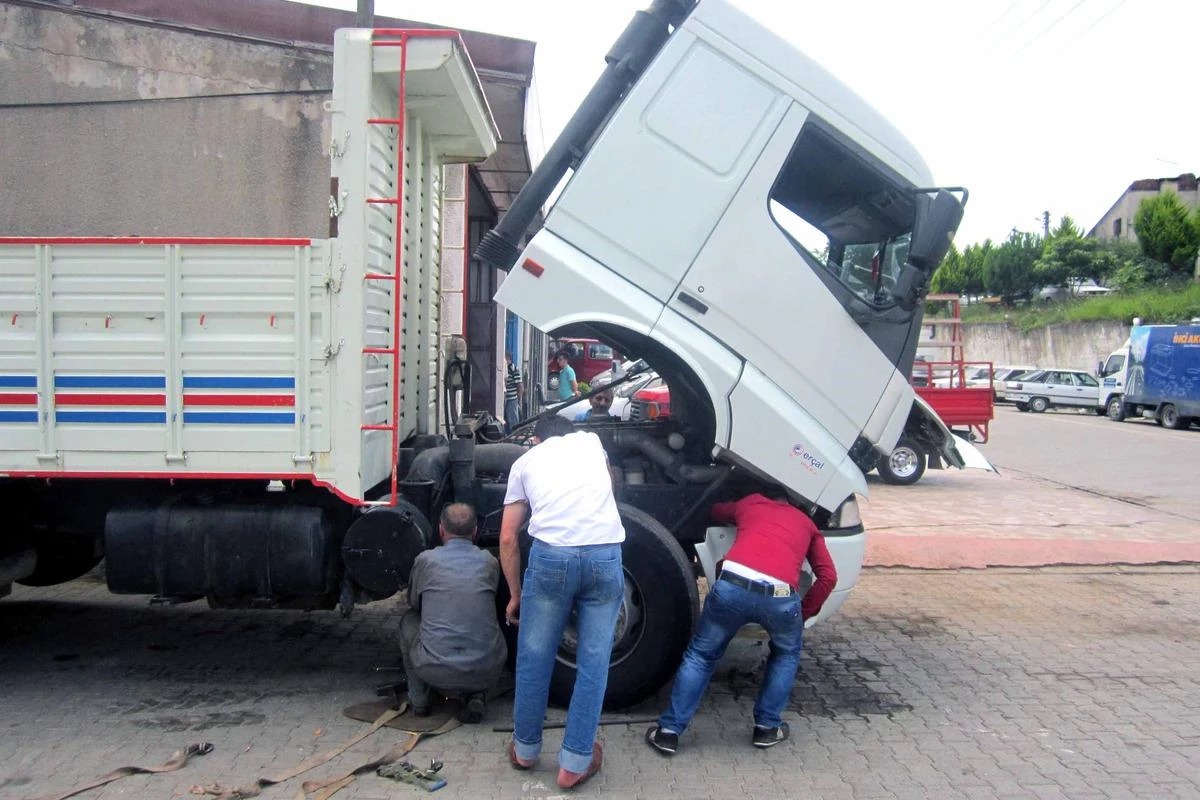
517 761
571 780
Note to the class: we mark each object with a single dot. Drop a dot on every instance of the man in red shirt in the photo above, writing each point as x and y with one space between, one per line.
759 582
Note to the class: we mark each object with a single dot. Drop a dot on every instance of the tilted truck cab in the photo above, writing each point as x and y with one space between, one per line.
261 422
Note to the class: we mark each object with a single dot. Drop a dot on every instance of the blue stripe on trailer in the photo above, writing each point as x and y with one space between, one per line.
110 382
10 381
232 382
237 418
18 416
110 416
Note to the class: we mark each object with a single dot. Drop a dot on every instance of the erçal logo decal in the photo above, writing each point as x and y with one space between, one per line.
807 459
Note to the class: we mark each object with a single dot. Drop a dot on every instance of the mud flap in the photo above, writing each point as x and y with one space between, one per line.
926 428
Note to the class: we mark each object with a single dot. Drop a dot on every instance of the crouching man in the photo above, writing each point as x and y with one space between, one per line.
450 640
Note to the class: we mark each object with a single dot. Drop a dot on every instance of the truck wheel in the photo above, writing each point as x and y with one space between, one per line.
1170 417
1116 408
655 623
1022 407
62 558
1038 404
904 466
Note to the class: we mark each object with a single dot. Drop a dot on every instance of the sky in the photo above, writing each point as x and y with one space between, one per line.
1033 105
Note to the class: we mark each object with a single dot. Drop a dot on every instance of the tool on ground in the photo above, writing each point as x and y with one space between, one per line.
603 721
405 772
177 760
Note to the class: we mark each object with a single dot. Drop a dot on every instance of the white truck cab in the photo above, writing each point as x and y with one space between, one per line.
764 238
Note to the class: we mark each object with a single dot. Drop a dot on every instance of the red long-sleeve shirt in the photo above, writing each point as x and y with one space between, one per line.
774 537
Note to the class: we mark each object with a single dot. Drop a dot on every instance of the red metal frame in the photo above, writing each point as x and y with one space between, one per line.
958 405
396 37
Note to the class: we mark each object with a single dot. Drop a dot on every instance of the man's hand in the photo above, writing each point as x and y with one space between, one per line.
510 613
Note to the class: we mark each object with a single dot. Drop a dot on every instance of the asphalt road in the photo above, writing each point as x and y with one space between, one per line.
1135 461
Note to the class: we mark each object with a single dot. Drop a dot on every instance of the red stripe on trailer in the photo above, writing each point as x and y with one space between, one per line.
18 399
71 399
239 400
149 240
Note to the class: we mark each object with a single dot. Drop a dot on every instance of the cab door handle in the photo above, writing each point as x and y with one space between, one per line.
692 302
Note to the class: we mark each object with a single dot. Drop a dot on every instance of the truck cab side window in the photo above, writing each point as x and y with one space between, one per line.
846 216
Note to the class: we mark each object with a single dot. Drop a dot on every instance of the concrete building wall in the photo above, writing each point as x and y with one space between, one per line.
1078 345
118 128
1117 223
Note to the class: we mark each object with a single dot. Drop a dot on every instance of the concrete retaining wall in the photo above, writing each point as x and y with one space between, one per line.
1077 345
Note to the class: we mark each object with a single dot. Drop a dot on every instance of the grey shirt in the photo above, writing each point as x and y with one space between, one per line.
453 587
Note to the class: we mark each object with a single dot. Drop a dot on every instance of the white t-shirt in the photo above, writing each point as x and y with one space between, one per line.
566 482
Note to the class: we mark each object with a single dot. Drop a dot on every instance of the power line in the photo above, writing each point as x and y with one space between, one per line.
1036 11
1050 27
1100 19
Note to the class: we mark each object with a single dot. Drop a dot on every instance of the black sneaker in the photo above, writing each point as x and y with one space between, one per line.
663 742
769 737
472 711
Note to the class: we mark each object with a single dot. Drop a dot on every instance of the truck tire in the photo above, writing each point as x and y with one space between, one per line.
1116 408
656 621
1170 417
62 558
1038 404
904 466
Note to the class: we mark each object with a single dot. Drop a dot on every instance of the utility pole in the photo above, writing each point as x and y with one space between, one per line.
1045 224
365 18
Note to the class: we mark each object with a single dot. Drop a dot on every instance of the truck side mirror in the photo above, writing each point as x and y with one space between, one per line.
938 213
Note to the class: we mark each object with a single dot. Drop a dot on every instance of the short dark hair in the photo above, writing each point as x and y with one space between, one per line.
549 427
458 519
774 491
563 354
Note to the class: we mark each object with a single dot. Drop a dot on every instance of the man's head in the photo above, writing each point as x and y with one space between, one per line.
549 427
774 491
457 522
562 358
601 402
508 356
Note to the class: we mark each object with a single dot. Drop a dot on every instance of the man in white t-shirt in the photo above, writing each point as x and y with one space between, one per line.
564 485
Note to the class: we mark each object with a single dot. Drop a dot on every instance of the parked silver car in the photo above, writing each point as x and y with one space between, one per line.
1049 388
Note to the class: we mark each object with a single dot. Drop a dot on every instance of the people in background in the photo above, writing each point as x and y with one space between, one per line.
600 403
568 386
514 392
450 639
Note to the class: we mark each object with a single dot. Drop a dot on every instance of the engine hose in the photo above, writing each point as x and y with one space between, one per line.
671 462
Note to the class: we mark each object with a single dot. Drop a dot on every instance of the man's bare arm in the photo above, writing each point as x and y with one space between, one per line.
510 554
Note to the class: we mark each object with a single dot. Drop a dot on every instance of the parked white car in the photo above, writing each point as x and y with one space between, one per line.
977 377
1050 388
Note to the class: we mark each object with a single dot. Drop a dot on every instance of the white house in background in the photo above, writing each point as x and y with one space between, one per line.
1117 222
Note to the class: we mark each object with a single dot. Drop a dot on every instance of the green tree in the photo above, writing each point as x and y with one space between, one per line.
949 278
1167 232
1008 269
1067 255
974 256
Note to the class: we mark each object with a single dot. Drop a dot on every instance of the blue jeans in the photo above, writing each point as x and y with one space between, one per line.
512 415
559 582
726 609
